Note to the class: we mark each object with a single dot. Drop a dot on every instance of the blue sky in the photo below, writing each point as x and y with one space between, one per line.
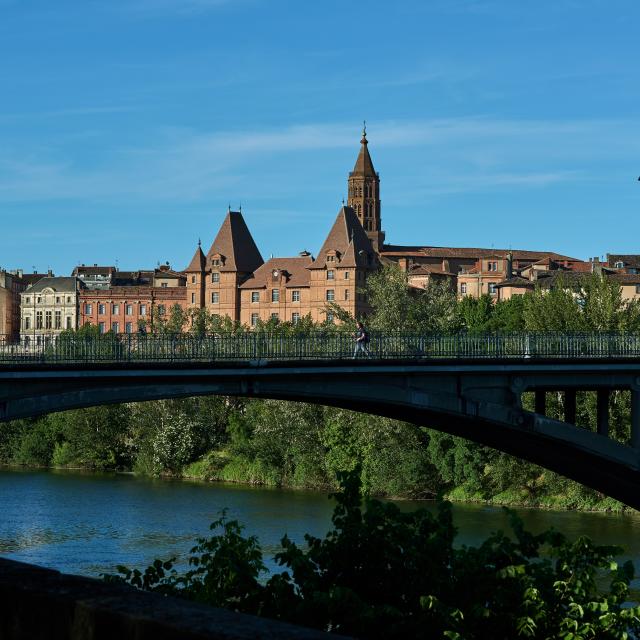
128 126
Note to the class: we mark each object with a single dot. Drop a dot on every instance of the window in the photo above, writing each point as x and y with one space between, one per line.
254 319
215 297
69 299
215 262
39 300
492 266
128 327
28 300
27 322
101 327
347 275
492 289
463 288
164 285
69 325
275 295
329 316
193 298
161 310
39 320
330 274
102 309
57 299
295 296
347 294
275 317
115 309
215 277
638 288
115 327
48 320
193 279
88 308
331 259
331 295
295 318
619 265
58 320
255 296
129 309
143 309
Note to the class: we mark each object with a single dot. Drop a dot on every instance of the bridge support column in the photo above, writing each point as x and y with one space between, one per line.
570 406
635 418
603 412
541 401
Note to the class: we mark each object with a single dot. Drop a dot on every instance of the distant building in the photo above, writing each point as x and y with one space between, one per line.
94 277
49 307
11 285
132 299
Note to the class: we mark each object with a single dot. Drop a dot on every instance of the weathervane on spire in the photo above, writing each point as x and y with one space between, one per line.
364 132
199 243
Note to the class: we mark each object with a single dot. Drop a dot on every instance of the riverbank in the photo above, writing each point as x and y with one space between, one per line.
284 444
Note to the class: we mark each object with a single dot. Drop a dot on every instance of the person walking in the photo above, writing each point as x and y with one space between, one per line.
361 337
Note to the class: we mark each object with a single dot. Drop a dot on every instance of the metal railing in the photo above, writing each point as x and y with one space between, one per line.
71 348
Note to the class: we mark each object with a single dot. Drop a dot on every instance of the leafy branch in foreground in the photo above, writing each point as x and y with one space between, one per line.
384 573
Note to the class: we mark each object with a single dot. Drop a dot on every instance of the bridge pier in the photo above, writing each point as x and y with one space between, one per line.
603 412
635 418
570 406
540 401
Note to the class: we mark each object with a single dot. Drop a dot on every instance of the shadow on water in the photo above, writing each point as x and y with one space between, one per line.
88 523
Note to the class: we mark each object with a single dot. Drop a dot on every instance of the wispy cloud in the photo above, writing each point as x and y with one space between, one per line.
445 155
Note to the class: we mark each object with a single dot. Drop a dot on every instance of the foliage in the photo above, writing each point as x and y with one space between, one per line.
384 573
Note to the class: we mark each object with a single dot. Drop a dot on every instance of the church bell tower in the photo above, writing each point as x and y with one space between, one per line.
364 194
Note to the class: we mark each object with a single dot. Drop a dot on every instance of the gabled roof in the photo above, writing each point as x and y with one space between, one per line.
348 238
294 269
235 243
364 165
93 270
197 263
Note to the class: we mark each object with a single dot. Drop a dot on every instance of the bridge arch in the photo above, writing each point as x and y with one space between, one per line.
476 401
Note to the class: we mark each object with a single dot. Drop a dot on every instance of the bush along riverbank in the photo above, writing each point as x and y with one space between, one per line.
295 445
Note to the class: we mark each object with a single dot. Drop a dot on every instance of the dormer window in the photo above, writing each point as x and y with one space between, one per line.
215 262
619 265
331 258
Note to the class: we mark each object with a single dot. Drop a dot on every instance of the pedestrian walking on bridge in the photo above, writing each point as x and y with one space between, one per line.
361 337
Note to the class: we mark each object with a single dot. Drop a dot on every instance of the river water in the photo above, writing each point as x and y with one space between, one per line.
88 523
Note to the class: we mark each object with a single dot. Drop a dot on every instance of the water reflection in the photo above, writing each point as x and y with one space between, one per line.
89 523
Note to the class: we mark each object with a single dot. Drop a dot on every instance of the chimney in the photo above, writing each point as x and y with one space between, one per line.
445 265
509 265
50 273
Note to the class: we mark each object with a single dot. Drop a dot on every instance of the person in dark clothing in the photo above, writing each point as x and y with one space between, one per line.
361 337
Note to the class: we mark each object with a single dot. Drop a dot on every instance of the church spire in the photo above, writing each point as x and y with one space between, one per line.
364 193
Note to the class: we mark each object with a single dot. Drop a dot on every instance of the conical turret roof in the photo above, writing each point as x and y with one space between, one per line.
348 238
364 165
197 263
235 243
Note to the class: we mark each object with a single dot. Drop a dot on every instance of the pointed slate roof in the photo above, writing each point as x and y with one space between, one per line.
348 238
235 243
197 263
364 165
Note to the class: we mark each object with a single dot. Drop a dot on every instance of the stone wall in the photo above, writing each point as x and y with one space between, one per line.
39 604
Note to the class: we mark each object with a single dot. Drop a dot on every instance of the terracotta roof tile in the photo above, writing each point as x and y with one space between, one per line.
364 164
294 269
198 262
235 244
348 239
473 253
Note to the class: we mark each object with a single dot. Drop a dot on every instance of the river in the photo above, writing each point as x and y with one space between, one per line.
88 523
